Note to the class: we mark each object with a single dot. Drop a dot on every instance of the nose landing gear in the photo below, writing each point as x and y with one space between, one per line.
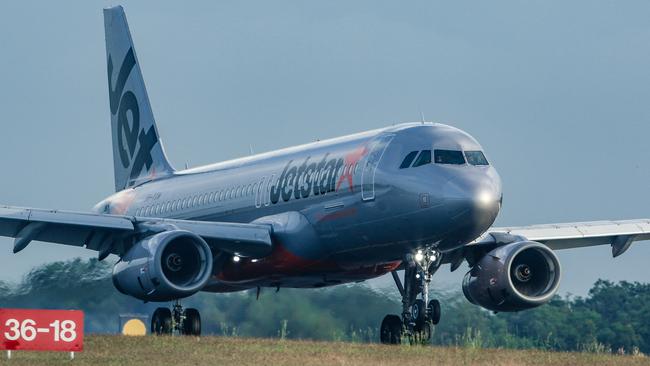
177 320
419 315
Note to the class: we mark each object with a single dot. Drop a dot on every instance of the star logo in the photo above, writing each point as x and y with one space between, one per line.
350 160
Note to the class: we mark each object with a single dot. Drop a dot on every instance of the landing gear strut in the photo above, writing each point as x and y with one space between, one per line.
419 315
177 320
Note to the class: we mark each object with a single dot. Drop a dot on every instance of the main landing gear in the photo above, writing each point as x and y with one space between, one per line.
177 320
419 315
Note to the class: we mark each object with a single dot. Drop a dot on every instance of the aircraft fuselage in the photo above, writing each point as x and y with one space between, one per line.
354 210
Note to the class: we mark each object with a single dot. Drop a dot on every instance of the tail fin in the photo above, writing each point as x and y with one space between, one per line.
138 154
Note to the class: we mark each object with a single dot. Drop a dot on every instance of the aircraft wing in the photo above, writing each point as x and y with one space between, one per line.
619 234
115 234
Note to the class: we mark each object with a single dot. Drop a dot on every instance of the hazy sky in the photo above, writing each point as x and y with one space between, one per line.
557 92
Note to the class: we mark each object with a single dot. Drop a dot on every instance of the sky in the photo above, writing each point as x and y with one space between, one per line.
558 94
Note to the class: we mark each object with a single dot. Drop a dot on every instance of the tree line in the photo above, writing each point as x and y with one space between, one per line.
611 318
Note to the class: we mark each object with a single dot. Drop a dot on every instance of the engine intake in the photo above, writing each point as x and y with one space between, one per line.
513 277
166 266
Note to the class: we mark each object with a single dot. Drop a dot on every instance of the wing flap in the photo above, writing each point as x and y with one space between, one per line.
105 233
61 227
619 234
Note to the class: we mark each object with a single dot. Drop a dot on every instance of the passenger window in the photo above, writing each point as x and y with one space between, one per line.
449 157
423 158
476 158
409 159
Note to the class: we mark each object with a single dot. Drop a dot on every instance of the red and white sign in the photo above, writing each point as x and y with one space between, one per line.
42 330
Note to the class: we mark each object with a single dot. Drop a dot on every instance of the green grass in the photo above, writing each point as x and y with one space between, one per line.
176 351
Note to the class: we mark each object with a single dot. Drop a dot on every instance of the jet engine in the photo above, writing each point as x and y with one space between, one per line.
513 277
166 266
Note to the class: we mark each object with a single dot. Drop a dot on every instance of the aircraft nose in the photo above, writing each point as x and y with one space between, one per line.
473 202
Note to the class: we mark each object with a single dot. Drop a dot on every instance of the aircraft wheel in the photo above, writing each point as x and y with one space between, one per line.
192 322
419 313
161 322
391 330
434 311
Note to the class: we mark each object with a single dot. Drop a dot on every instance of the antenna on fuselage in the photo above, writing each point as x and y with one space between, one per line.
422 115
250 147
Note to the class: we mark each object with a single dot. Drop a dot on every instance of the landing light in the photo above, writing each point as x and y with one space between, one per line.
485 198
236 259
419 256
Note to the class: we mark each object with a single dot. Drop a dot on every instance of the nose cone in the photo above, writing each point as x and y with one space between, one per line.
473 201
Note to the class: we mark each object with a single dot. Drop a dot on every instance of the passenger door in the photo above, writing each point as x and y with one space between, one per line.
377 148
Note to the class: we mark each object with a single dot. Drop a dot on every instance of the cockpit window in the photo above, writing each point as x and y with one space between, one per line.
408 160
476 158
423 158
449 157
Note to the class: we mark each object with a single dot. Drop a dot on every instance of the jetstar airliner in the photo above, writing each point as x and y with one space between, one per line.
412 197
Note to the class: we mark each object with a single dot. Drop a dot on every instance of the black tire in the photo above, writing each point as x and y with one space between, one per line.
161 322
419 313
434 311
391 330
192 322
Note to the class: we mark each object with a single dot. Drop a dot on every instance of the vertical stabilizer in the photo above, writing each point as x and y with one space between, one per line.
138 154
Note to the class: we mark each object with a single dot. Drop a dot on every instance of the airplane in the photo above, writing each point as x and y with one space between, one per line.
412 197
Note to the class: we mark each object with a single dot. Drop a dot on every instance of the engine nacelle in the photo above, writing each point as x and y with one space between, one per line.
166 266
513 277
